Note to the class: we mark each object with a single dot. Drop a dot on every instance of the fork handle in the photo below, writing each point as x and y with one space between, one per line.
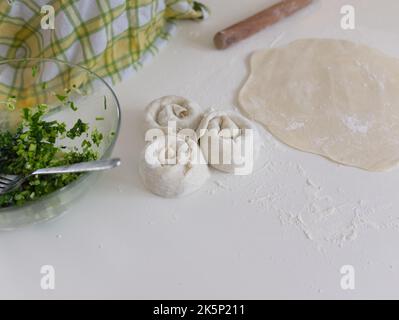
89 166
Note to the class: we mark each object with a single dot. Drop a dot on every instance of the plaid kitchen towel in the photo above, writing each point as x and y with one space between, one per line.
112 38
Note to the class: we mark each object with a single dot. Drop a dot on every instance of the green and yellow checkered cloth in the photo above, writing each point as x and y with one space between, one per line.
112 38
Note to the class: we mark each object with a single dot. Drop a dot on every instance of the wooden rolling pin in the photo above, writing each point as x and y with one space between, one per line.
258 22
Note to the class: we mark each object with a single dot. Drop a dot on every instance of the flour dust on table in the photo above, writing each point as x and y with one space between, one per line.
330 97
290 192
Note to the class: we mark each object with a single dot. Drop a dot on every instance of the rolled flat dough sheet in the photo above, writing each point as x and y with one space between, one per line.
334 98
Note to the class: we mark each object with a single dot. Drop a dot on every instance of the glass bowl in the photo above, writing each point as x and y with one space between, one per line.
30 82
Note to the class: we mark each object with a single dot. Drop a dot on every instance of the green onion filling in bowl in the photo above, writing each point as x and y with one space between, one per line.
51 114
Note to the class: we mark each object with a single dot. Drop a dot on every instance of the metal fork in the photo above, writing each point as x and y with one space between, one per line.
10 182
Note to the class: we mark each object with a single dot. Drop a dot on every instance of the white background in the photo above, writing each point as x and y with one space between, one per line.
234 238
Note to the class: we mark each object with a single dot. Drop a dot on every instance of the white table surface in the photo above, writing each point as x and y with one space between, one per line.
239 237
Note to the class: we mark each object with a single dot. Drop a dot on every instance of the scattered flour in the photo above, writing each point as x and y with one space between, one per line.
295 126
356 125
222 185
276 40
324 217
